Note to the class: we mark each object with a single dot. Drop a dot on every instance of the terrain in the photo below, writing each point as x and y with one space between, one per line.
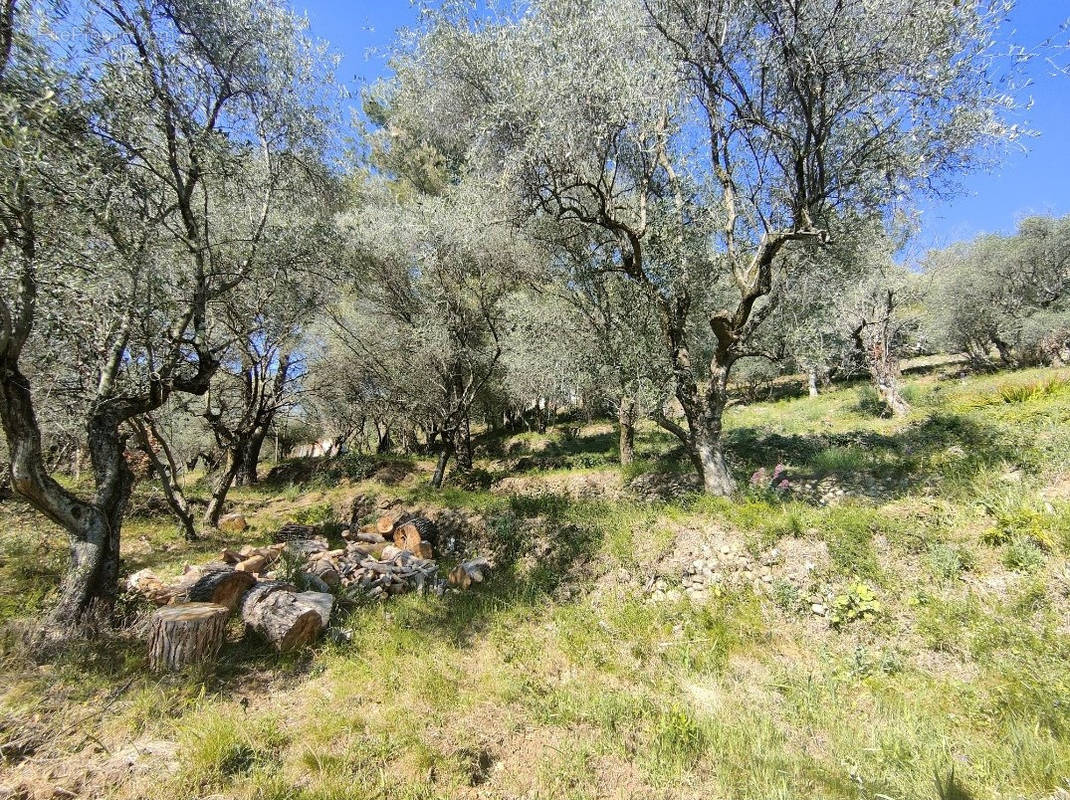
882 612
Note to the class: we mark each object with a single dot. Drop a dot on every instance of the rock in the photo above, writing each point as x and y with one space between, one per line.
725 549
818 608
233 523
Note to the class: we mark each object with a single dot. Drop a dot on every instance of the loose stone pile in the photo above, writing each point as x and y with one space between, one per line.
711 569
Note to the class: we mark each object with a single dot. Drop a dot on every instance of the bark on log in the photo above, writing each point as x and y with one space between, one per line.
145 583
323 569
291 531
323 602
189 633
217 584
275 612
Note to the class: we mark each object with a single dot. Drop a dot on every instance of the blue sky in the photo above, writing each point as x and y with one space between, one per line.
1031 181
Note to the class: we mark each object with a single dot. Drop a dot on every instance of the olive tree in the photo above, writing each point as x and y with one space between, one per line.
701 142
423 327
111 209
1008 294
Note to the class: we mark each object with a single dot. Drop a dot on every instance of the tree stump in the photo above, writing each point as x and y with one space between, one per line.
184 634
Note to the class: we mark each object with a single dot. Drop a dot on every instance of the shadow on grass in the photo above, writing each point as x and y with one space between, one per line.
934 449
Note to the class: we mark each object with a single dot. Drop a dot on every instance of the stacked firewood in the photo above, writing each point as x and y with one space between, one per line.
390 557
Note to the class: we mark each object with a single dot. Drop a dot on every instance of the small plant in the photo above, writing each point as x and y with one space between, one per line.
948 562
856 602
786 595
1022 555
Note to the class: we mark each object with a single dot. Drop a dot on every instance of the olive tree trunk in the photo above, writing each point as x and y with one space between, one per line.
92 526
626 417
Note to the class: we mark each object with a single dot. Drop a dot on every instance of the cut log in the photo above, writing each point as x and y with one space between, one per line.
281 617
465 574
189 633
390 520
323 569
414 530
323 602
233 523
459 578
369 538
253 564
306 547
145 583
217 584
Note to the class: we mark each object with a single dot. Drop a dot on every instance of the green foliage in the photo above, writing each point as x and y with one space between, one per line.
678 740
1022 554
856 601
1037 390
316 514
849 533
947 562
786 595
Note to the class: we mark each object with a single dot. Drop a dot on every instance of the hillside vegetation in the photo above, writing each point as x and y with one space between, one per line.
884 612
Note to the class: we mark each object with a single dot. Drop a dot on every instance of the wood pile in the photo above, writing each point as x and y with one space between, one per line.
389 557
468 572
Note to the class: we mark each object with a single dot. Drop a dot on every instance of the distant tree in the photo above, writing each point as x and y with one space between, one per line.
1005 294
700 143
423 328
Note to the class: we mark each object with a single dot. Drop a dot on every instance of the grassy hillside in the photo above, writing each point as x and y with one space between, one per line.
888 618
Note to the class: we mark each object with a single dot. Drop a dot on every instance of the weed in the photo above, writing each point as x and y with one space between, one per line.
786 595
947 562
855 602
1022 555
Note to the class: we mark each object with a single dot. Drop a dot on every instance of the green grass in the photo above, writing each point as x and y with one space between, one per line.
558 678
